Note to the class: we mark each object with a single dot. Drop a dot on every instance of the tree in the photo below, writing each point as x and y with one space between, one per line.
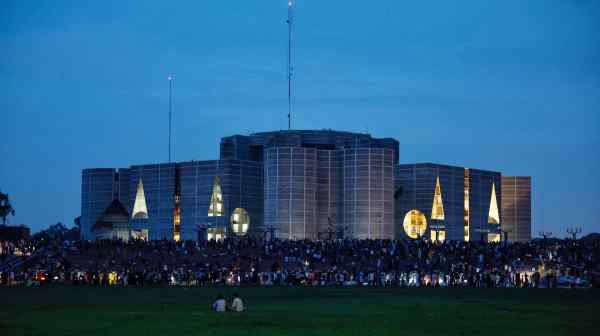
5 207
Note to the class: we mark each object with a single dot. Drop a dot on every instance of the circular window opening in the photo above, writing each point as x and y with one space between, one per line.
240 220
415 224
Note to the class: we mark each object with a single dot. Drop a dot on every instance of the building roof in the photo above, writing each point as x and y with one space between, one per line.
115 208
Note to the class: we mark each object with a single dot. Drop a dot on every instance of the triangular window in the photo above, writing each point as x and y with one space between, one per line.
437 210
216 199
140 210
493 216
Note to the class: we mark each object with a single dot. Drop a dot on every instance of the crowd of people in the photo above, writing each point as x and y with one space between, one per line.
248 261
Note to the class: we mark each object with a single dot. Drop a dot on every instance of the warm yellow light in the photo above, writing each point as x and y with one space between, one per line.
216 199
177 220
437 209
493 215
240 220
438 235
493 237
140 209
215 233
414 224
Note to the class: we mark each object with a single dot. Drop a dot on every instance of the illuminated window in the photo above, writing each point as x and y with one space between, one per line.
139 234
493 216
240 220
177 219
493 237
216 199
437 210
466 212
414 224
140 210
438 235
215 233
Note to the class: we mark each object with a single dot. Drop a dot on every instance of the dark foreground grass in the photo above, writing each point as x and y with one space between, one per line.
297 311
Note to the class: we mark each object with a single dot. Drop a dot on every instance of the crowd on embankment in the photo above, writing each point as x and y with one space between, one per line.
247 261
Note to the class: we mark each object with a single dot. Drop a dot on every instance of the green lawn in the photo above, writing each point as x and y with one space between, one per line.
297 311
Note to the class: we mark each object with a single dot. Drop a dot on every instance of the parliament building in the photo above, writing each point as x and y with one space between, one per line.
304 185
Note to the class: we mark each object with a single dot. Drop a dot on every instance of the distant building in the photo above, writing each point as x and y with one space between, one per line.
516 207
298 184
445 202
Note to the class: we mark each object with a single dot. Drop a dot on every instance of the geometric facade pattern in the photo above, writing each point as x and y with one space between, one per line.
516 207
462 199
302 185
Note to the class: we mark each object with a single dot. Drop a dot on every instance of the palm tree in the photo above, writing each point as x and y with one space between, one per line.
5 207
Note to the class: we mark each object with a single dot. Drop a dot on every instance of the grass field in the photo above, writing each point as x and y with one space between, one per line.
297 311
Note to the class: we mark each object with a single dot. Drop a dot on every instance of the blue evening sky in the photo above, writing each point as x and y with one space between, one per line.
510 85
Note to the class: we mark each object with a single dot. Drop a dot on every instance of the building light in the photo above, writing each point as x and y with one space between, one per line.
414 224
240 221
140 209
215 208
493 216
437 210
493 237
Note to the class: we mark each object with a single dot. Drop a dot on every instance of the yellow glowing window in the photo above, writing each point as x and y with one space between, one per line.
216 199
240 220
414 224
493 216
437 210
177 223
215 233
438 235
140 210
493 237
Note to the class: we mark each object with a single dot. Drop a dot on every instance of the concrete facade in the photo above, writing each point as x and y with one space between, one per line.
415 188
301 185
516 207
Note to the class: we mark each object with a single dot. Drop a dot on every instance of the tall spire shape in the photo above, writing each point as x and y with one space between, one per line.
493 215
140 210
215 208
437 210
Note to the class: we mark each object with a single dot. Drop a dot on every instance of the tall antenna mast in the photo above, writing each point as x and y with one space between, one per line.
289 22
170 78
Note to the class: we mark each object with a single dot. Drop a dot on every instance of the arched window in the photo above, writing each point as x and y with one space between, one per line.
240 221
415 224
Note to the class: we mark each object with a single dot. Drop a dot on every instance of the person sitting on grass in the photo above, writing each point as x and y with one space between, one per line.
237 305
219 305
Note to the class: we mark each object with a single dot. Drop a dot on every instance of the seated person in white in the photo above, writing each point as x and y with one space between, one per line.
220 305
237 305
